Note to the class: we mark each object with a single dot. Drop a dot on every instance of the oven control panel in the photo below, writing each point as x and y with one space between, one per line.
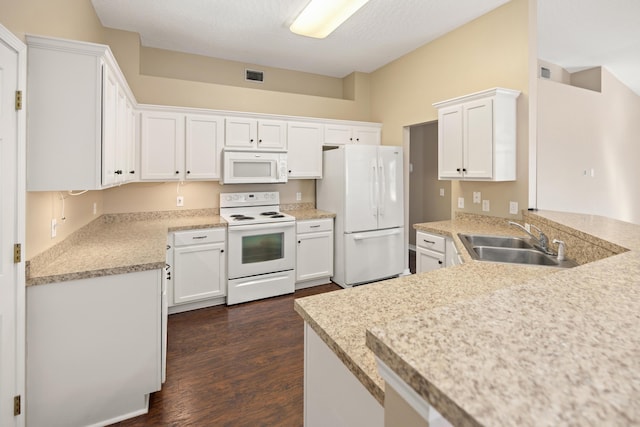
229 200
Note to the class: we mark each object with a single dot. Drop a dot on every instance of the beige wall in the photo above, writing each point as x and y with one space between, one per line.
488 52
580 130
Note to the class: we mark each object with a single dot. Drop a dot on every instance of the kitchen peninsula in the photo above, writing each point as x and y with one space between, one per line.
503 344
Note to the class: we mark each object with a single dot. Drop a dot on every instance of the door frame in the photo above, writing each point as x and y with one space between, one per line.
21 49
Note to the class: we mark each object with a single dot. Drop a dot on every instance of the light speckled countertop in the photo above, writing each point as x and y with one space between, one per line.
500 344
123 243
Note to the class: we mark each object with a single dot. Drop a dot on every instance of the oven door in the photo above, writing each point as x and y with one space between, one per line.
260 249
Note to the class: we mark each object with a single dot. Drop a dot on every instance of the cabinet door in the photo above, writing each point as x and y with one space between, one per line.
314 256
450 142
337 134
204 141
366 135
240 133
110 135
478 139
162 146
132 168
272 134
304 142
199 272
427 260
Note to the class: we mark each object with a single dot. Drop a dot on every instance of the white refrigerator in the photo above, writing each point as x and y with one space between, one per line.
362 185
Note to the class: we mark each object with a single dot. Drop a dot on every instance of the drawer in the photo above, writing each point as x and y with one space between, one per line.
196 237
430 241
313 226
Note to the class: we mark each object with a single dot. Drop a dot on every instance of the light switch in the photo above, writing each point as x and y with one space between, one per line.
485 206
513 208
442 192
461 202
477 196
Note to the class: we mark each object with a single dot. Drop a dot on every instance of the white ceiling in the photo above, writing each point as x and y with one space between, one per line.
574 34
257 31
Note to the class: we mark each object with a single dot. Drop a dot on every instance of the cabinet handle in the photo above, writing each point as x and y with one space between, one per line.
118 172
188 172
177 172
221 250
314 226
251 140
299 242
464 169
439 262
260 140
132 172
429 241
199 237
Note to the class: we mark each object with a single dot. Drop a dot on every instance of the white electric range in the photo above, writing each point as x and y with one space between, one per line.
260 245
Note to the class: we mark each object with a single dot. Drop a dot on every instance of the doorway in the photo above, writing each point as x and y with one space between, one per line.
429 198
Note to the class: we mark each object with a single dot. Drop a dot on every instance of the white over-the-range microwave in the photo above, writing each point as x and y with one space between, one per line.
254 167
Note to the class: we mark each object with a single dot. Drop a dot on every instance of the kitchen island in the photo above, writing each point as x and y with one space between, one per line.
503 344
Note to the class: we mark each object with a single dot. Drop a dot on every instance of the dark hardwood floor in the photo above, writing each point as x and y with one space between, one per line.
412 261
233 366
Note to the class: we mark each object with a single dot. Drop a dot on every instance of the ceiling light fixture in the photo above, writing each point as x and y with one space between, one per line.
321 17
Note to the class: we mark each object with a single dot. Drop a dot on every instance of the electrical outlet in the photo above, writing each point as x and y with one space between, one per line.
461 202
477 196
442 192
298 196
513 208
180 201
95 208
54 228
485 206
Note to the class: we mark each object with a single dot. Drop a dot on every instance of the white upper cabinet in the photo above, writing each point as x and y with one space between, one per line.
248 133
338 134
180 146
203 145
78 130
477 136
304 142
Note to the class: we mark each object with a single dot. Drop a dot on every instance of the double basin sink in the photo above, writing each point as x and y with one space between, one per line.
510 249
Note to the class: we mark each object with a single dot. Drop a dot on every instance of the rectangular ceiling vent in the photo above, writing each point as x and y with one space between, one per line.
545 73
254 76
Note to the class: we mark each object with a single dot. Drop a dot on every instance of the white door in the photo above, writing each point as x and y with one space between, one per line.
204 141
11 230
390 204
304 148
361 188
162 146
478 139
450 142
199 272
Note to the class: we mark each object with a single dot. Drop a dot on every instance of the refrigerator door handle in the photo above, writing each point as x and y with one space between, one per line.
383 189
373 188
384 233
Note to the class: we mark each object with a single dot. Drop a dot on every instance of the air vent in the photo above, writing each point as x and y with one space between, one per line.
545 73
254 76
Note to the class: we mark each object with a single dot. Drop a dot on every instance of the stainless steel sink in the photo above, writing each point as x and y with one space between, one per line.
509 249
497 241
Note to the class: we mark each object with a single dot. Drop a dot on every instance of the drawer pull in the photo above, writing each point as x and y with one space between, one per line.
428 241
314 226
199 237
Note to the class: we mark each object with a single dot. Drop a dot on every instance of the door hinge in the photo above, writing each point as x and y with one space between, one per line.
17 253
16 406
18 100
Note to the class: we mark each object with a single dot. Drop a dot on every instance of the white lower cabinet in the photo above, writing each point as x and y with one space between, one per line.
333 396
199 276
434 251
314 254
94 349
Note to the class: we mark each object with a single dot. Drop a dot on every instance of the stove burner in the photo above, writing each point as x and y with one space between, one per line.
270 213
236 215
277 216
241 217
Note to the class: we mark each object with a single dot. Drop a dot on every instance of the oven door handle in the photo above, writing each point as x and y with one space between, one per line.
269 226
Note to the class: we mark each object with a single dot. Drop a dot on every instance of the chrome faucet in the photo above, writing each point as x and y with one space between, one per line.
542 239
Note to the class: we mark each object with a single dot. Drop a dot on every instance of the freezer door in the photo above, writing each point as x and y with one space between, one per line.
361 188
373 255
390 205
